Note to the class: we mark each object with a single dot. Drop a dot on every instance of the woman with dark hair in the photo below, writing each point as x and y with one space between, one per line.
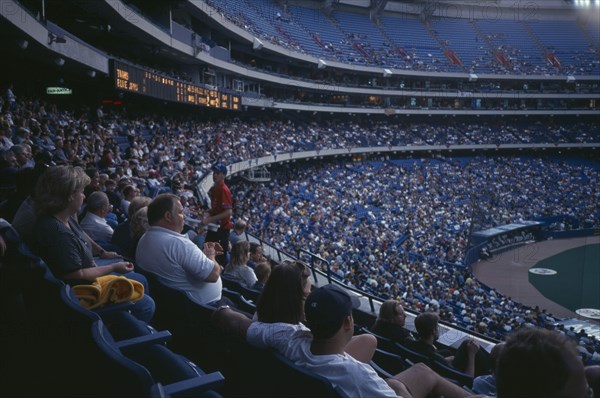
60 241
282 299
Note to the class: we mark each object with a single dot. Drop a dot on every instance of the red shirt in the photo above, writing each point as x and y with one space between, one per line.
220 200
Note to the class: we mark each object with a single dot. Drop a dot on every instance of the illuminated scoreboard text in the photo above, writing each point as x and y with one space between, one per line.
137 80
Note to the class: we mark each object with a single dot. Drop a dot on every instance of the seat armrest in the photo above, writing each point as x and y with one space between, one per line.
143 341
195 385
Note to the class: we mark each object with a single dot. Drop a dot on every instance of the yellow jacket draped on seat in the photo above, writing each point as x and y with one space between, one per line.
109 289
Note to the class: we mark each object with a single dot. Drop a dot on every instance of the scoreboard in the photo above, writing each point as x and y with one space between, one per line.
145 82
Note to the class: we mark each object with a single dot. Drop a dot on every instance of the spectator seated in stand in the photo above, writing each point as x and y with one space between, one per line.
94 222
390 323
62 244
262 271
122 236
542 363
237 269
110 188
94 184
238 232
129 192
256 255
471 356
175 260
486 384
139 225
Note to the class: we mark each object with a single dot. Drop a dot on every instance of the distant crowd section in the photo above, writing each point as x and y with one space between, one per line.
389 227
157 151
403 41
393 228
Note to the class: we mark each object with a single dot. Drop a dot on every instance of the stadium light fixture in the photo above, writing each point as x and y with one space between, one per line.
387 73
257 44
322 64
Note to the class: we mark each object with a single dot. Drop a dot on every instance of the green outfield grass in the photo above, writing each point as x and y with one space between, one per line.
577 284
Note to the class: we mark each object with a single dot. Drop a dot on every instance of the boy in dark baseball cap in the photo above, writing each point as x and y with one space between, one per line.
326 308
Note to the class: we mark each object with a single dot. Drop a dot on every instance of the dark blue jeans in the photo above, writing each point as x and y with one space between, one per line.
145 307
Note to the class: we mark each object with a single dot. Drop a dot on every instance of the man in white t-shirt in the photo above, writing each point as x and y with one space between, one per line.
174 258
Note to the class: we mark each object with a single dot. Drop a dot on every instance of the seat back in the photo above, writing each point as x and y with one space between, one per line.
232 284
123 376
174 308
449 372
17 263
363 318
190 323
62 344
384 343
411 355
391 363
240 301
250 294
176 373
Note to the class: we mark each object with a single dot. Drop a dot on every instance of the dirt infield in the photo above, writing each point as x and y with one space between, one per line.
508 272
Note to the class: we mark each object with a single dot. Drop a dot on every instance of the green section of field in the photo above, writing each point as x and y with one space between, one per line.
577 284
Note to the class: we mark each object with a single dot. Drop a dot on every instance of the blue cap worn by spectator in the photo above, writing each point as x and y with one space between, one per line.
327 307
219 168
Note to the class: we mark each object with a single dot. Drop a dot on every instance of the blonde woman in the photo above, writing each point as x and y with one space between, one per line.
60 241
138 225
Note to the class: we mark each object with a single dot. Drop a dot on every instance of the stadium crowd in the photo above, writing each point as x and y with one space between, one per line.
499 55
387 228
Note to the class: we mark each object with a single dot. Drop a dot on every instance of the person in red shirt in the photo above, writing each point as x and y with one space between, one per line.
218 218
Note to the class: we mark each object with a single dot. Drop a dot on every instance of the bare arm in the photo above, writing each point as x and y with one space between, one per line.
210 252
231 322
90 274
362 347
2 246
214 275
422 382
472 348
